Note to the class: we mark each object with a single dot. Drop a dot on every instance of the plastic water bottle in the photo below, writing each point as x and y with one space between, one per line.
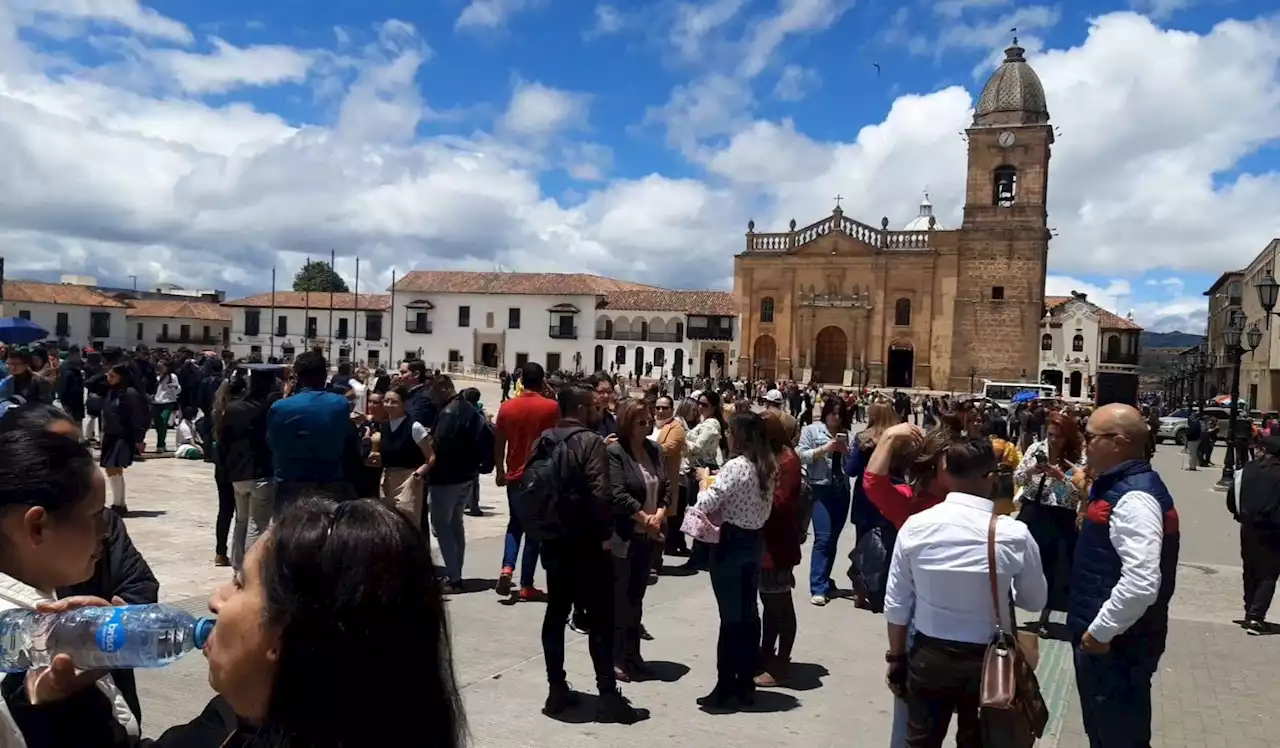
127 636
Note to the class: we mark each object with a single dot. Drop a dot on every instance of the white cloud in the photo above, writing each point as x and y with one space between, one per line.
796 82
1162 9
488 14
794 17
957 8
540 111
114 181
130 14
229 67
608 21
695 22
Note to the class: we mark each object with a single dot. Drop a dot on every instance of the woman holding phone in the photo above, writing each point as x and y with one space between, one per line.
823 446
1049 502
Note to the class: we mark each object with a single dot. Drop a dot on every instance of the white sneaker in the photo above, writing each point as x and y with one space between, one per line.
818 600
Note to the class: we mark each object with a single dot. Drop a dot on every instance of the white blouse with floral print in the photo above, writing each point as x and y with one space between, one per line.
736 496
1060 493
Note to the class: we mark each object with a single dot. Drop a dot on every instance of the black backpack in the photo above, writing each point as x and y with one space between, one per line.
540 502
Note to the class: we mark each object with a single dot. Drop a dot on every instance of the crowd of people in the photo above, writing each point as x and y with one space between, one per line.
332 486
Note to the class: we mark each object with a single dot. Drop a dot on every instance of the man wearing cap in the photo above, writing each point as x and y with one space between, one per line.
773 402
1254 500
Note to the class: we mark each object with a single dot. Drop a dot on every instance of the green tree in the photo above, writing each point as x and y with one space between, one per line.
319 276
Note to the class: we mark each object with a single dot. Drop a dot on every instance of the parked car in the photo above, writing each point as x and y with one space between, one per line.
1173 427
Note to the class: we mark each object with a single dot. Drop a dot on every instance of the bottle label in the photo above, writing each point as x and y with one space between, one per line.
111 633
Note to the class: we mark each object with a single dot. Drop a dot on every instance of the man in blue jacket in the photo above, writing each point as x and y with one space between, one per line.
313 442
1122 579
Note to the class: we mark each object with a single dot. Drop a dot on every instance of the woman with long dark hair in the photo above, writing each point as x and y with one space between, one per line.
781 554
823 445
334 593
125 412
869 561
1049 502
244 458
739 501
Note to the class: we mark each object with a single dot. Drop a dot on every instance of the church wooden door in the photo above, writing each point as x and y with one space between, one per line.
830 355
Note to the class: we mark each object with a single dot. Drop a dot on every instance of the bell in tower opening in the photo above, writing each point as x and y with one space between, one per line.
1006 184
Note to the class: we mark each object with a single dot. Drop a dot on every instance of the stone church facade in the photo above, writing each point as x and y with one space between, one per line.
847 303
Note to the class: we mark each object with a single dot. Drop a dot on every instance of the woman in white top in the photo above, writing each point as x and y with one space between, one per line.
164 402
739 502
703 448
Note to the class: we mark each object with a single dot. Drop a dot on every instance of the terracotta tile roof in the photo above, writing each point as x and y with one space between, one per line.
369 302
62 294
202 310
536 284
661 300
1106 320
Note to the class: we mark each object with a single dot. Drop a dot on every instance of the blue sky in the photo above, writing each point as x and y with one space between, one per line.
200 143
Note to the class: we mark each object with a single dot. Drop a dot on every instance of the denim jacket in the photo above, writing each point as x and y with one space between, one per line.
815 463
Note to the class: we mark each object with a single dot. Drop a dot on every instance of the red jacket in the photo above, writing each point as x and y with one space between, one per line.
782 530
896 502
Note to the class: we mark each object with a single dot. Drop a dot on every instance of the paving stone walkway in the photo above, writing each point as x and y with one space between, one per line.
1217 686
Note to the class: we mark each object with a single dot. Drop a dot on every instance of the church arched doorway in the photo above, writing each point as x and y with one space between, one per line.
713 363
764 357
1053 377
831 351
901 370
599 359
1077 384
677 364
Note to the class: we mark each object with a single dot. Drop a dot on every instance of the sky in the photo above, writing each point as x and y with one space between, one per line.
204 144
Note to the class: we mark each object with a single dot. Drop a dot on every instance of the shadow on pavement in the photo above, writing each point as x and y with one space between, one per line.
667 672
805 676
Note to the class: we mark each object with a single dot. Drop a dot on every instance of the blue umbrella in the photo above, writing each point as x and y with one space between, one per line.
19 331
1024 396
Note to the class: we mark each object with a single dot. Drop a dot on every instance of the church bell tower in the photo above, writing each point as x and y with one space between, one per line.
1004 239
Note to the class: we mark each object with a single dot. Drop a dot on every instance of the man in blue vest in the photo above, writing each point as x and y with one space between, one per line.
1122 579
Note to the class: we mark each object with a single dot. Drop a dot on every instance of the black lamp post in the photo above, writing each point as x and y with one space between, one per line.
1268 291
973 372
1235 348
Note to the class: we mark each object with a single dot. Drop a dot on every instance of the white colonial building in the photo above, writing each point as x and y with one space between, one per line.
173 324
1085 348
71 314
564 321
348 327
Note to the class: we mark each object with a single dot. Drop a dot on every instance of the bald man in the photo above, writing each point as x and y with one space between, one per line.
1122 579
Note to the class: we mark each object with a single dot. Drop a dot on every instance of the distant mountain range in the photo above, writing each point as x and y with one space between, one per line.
1169 339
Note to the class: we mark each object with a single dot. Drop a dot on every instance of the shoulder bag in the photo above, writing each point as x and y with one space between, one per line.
1012 711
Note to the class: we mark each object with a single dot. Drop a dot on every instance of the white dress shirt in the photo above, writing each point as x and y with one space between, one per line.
1137 534
938 578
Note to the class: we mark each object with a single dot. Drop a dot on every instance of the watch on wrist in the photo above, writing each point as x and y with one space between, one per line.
894 658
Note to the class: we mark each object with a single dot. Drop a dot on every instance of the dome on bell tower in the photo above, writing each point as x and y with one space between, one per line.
1013 95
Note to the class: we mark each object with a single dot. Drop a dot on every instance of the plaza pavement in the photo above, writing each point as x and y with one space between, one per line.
1217 686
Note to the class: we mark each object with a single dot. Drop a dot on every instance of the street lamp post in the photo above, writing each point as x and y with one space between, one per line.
1235 348
973 372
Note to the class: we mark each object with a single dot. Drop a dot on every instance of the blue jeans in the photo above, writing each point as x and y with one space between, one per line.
446 505
830 513
735 580
515 532
1115 695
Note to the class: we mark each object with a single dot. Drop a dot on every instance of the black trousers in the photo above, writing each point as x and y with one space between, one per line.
1260 557
226 510
579 573
1115 692
630 580
944 678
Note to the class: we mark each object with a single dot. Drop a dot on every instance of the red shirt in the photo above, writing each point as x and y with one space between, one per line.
521 420
896 502
782 530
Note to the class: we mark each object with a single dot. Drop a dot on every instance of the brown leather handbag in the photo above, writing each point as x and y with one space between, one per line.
1011 709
